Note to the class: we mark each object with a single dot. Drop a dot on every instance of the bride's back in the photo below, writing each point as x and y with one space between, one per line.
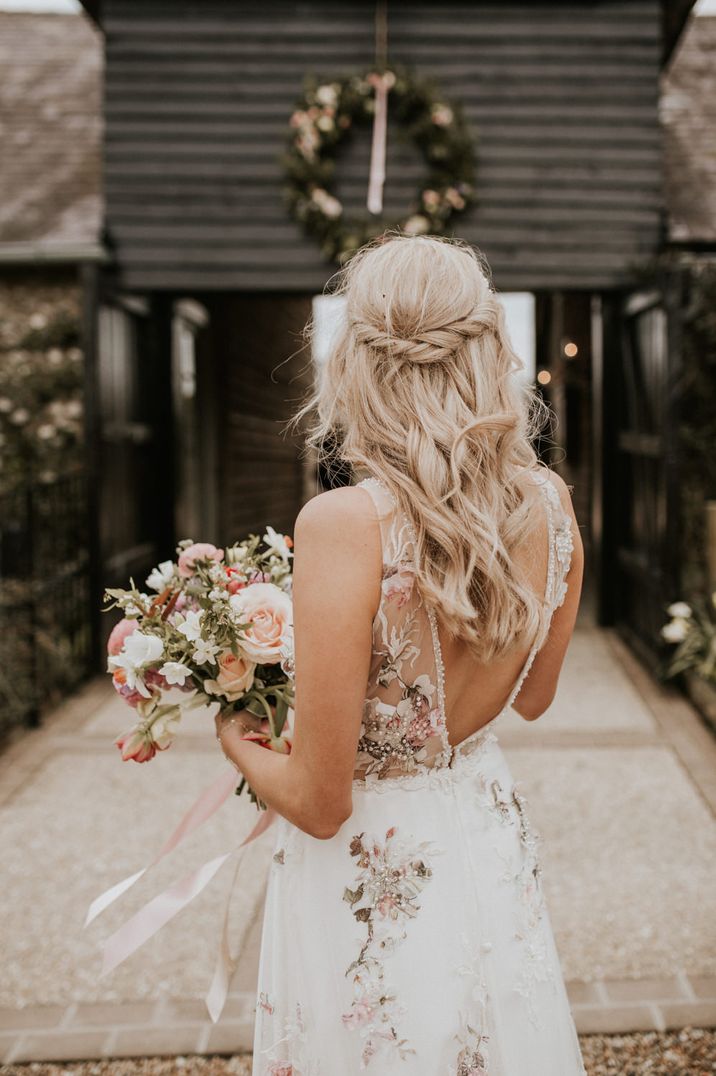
427 695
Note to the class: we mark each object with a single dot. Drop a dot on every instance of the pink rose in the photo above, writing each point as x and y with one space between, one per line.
268 614
118 634
235 676
195 552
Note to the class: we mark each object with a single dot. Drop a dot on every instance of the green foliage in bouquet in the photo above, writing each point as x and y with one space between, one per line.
324 119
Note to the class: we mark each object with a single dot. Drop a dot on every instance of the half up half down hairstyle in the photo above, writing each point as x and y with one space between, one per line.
420 390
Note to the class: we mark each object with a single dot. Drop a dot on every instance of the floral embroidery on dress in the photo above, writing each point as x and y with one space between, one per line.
398 581
265 1003
390 878
535 966
291 1047
391 733
472 1058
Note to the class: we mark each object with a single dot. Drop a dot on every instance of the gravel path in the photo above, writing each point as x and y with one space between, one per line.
691 1052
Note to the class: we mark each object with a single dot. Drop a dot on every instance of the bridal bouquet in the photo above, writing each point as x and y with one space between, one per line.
215 634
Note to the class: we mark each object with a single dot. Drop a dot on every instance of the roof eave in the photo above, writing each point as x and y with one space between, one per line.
48 253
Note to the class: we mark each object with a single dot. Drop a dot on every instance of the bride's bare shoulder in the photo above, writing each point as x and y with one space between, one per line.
345 515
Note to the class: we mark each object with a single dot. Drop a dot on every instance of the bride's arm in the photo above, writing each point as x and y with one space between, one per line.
336 590
540 687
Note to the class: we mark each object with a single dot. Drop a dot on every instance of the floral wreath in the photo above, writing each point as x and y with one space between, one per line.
324 118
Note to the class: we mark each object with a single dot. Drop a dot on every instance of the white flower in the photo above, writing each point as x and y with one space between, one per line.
676 631
204 651
218 594
174 672
190 626
442 115
325 123
160 577
416 225
327 96
680 610
138 651
132 609
277 544
328 205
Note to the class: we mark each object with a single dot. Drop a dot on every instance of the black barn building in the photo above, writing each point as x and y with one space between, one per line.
209 282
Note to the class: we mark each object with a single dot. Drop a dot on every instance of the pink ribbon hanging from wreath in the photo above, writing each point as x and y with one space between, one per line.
382 84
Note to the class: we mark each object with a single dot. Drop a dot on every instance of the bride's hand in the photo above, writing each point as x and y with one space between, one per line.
242 720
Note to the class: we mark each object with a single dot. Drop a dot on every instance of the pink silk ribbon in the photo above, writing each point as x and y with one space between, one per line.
150 918
376 180
203 808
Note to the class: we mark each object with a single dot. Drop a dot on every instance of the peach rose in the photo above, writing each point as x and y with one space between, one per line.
198 551
118 634
235 676
268 614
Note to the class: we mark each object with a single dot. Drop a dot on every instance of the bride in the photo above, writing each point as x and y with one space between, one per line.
405 927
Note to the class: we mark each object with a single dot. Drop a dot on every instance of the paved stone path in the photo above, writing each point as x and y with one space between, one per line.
621 780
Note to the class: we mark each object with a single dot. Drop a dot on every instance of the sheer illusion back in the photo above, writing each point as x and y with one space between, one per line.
404 727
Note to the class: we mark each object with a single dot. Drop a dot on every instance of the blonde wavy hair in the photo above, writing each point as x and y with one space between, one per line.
419 390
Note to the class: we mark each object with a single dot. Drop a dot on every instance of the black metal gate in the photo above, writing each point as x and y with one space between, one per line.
637 397
45 630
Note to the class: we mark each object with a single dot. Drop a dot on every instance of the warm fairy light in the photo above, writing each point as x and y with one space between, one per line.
571 350
544 377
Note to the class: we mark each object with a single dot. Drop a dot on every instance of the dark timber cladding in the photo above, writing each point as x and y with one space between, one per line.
562 98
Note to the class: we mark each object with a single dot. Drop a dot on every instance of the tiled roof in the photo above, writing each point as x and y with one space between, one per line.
688 112
50 124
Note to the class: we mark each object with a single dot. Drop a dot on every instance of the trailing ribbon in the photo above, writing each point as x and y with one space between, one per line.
381 84
145 923
203 808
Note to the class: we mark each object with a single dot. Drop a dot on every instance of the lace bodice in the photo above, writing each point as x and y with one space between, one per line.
404 729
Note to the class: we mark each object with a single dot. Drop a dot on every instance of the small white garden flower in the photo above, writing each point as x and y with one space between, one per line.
138 650
327 96
190 626
160 577
174 672
205 651
675 631
680 610
277 544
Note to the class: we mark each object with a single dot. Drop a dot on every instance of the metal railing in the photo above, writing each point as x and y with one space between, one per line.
45 593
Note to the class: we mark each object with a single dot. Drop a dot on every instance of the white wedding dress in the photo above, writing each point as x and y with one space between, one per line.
416 940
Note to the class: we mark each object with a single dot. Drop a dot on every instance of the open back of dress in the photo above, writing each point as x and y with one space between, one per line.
404 722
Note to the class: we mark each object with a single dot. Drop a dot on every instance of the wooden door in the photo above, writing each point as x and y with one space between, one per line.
639 483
